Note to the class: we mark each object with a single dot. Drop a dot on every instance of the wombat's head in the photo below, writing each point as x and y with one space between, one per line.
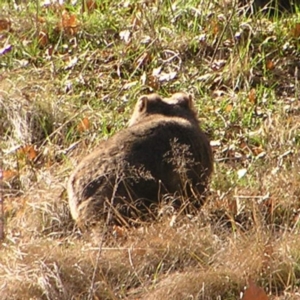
179 105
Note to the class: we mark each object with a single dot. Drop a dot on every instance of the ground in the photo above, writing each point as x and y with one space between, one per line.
70 75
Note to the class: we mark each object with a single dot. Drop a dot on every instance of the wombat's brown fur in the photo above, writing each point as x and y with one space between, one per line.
163 151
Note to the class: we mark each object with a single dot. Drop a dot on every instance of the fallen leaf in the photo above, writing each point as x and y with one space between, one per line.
28 151
233 206
167 76
257 150
5 25
153 82
119 231
229 108
50 50
41 19
296 30
252 96
270 65
241 173
69 23
43 39
215 27
8 174
84 125
254 292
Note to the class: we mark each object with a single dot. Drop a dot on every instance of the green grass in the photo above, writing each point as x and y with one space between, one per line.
249 227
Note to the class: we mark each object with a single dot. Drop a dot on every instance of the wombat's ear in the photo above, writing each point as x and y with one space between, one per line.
190 101
184 100
142 103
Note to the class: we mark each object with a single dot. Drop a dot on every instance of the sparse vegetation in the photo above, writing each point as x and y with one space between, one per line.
70 75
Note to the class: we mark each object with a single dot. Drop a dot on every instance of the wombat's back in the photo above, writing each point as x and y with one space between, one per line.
138 164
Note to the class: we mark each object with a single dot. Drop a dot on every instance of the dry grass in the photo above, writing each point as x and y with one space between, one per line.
244 74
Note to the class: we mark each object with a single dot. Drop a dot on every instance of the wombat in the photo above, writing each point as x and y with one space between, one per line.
162 152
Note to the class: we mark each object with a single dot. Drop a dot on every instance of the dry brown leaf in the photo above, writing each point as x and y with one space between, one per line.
69 20
296 30
228 108
69 23
153 82
28 151
41 19
233 206
9 174
270 65
252 96
215 27
119 231
83 125
43 39
5 25
254 292
257 150
243 145
50 50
